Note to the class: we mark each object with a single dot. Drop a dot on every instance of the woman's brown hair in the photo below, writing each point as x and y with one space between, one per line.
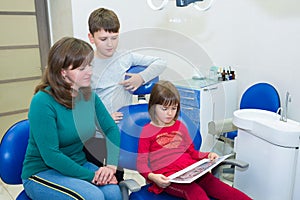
163 93
64 53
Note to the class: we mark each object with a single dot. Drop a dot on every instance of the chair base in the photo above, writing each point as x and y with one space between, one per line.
23 196
144 194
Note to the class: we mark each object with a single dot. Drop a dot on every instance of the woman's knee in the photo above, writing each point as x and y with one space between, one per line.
112 191
96 194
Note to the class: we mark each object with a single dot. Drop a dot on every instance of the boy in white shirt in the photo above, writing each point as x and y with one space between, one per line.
110 65
109 70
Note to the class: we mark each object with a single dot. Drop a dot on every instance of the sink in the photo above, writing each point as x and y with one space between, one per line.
266 125
271 147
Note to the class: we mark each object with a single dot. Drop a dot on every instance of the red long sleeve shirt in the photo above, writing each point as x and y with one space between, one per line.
165 150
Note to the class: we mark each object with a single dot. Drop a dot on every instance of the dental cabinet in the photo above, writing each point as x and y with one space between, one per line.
207 100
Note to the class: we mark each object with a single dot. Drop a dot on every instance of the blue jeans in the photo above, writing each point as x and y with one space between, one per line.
58 186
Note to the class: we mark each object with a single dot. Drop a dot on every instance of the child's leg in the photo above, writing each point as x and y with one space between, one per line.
190 191
219 190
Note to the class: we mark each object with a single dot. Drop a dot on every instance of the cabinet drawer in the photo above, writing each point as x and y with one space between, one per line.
189 97
191 112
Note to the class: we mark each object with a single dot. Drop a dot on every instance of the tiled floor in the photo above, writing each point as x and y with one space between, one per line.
9 192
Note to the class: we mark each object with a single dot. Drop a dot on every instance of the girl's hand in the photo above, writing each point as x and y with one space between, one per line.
213 156
104 175
160 180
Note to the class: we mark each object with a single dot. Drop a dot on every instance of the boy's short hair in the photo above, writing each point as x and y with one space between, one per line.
105 19
166 94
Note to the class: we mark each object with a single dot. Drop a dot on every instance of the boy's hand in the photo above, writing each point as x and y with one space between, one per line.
132 83
212 156
117 116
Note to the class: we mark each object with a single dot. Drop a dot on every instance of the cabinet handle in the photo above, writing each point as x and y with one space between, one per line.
188 91
188 98
208 89
187 108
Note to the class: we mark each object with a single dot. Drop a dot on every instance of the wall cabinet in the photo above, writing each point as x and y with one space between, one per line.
207 100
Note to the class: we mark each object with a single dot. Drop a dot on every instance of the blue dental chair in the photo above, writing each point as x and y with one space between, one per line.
262 96
12 152
134 119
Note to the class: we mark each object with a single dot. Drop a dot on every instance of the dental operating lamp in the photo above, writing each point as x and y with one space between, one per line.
180 3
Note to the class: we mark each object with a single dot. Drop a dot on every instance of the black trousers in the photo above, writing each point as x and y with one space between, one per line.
95 151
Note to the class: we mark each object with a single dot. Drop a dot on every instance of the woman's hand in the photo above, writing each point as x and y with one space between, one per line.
105 175
113 180
160 180
213 156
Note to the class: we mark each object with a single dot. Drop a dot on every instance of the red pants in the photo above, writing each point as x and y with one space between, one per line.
205 187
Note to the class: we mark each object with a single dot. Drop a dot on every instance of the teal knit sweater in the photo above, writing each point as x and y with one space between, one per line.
57 135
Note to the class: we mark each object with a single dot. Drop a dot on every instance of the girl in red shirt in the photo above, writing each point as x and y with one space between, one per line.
165 147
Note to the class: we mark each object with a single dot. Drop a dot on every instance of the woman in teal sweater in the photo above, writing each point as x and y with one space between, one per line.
63 114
